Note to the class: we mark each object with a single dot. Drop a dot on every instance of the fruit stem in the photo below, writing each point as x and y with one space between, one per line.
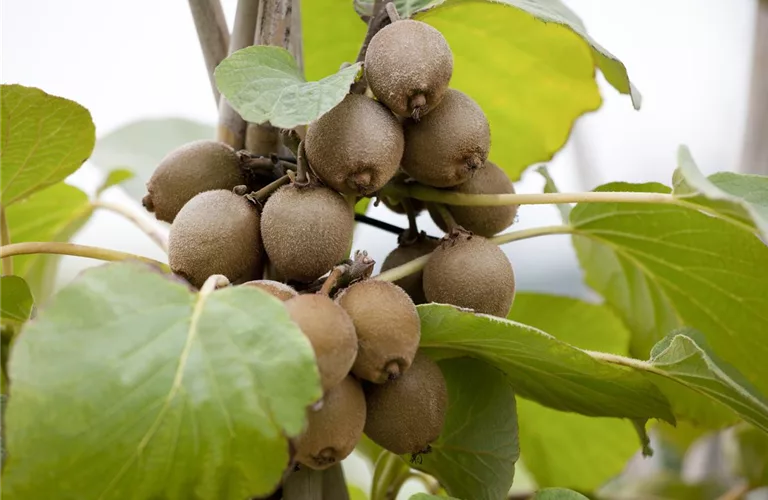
418 264
5 239
392 12
213 34
413 228
331 280
445 214
388 476
58 248
301 166
146 227
262 193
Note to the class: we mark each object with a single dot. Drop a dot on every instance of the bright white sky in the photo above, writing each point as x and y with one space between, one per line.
690 58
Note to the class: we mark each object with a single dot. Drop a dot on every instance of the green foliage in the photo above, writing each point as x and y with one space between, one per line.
45 138
114 178
540 367
550 187
53 214
155 391
16 301
141 145
424 496
742 199
558 494
264 84
751 461
567 449
662 266
475 455
684 357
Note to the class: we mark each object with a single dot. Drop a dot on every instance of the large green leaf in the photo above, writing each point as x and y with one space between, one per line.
16 302
741 198
129 385
529 65
45 138
566 449
475 455
663 266
541 367
141 145
53 214
264 84
684 357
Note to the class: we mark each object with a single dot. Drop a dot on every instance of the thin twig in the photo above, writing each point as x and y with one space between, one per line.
213 34
301 166
5 238
445 214
231 125
331 280
57 248
147 228
410 212
385 226
269 188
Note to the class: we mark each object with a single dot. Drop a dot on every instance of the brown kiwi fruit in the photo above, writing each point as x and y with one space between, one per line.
408 65
190 170
356 147
274 288
405 252
407 414
330 331
485 221
447 146
388 329
216 232
471 272
306 231
333 430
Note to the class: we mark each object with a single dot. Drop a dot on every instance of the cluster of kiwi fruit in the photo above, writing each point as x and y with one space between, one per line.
409 127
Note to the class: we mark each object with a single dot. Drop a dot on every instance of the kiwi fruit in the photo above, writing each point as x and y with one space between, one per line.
485 221
274 288
405 252
330 331
333 430
216 232
356 147
448 145
190 170
470 272
306 231
388 329
407 414
408 65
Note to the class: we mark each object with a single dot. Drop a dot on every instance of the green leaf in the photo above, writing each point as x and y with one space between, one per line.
115 177
16 302
54 214
550 187
475 455
264 84
541 367
538 78
684 357
129 385
361 207
661 485
425 496
740 198
663 266
751 459
405 8
558 494
141 145
45 138
566 449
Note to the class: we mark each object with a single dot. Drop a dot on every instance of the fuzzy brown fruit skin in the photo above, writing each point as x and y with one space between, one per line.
306 231
333 430
388 329
330 331
408 65
188 171
275 288
447 146
485 221
407 414
217 232
356 147
404 253
470 272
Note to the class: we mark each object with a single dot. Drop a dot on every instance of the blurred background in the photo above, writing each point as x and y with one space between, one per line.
138 60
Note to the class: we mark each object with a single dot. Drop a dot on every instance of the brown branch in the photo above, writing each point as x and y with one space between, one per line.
213 35
379 19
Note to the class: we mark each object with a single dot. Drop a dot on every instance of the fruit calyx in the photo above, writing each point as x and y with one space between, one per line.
418 105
